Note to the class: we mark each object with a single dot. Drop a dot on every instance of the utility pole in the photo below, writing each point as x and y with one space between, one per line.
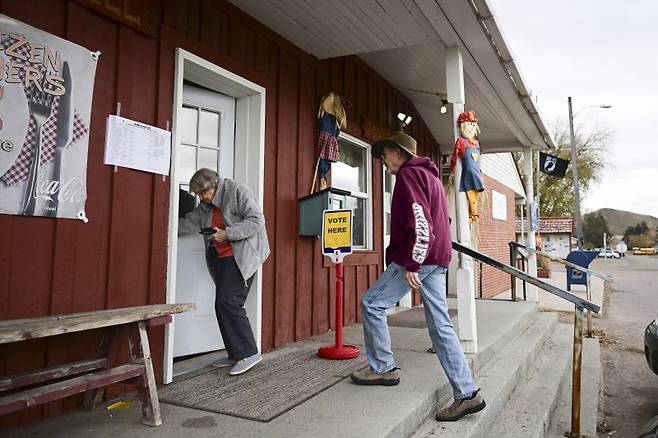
576 185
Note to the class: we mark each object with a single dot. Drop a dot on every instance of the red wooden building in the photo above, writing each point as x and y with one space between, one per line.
241 97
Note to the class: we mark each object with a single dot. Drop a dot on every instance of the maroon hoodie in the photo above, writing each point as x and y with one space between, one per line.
420 226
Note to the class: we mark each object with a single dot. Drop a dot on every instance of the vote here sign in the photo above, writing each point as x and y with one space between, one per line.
337 234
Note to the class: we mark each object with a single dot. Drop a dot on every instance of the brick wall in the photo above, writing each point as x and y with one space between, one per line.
494 235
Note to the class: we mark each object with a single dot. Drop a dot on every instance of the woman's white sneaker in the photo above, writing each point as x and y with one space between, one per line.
223 362
244 365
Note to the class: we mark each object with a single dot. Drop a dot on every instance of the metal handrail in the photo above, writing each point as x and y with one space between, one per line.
563 262
579 303
523 256
571 265
576 300
514 253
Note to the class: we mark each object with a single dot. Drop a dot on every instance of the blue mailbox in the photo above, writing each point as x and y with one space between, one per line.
580 258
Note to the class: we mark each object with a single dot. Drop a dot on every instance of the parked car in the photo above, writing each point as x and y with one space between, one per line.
650 430
609 253
645 251
651 345
621 248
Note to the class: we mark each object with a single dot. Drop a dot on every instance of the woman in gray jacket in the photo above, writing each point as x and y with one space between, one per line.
234 252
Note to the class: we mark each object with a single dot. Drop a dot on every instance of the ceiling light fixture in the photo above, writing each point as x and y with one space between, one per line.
444 106
404 120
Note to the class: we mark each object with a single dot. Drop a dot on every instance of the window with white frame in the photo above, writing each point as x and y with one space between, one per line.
352 173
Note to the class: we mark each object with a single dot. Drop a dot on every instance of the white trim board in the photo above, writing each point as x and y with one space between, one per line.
369 243
249 167
502 168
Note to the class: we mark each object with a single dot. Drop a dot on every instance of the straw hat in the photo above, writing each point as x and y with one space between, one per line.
398 139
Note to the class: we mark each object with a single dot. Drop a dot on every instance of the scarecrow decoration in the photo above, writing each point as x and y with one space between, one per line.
331 119
467 148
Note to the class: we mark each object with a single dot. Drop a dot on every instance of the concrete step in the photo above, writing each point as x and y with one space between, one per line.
396 412
591 395
531 407
344 409
497 381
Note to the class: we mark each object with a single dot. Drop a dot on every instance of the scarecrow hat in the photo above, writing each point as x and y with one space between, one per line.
467 116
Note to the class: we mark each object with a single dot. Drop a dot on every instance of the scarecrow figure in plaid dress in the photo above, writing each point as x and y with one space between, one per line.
467 148
331 119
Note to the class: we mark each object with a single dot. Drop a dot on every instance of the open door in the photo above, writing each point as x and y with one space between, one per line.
207 132
219 122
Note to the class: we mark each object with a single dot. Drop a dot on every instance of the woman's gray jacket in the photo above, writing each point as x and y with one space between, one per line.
245 224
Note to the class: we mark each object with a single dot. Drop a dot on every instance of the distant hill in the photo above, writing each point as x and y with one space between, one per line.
619 220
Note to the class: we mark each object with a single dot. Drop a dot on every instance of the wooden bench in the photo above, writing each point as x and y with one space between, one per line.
92 375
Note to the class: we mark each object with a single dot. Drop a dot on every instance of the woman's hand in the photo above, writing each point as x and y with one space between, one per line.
219 236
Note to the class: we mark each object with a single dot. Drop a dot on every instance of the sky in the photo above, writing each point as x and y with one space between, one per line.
597 52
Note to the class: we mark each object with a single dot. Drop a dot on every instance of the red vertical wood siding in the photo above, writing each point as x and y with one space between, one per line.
119 258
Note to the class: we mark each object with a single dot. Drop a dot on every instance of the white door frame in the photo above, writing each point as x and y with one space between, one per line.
249 167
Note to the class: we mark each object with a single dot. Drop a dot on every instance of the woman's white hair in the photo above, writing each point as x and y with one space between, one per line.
204 179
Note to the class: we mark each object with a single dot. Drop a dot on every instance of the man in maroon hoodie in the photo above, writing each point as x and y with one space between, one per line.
417 258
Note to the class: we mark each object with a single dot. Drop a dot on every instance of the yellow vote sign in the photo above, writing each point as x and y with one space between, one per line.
337 234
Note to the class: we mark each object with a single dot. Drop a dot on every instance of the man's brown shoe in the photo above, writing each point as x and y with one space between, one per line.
460 408
369 377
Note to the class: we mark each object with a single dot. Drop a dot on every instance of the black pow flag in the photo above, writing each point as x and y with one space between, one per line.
552 166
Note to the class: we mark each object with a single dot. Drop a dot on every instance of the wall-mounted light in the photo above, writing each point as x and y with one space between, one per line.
444 106
404 120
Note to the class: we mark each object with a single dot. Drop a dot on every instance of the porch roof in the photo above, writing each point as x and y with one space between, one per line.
405 41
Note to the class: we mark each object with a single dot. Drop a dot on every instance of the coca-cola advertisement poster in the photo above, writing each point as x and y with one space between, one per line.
46 89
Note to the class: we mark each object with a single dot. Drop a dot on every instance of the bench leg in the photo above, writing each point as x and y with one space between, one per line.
108 350
147 390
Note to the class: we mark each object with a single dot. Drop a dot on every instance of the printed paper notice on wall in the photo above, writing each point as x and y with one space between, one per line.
498 205
137 145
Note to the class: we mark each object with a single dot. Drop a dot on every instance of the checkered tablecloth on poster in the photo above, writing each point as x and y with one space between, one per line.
20 169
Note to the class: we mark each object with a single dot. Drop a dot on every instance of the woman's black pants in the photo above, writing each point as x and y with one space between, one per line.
231 292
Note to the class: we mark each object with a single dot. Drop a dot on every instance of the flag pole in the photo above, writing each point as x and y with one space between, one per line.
537 197
537 233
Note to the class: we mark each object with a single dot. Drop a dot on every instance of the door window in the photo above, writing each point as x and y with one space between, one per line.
200 134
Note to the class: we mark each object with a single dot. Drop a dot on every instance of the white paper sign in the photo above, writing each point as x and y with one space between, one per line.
137 145
498 205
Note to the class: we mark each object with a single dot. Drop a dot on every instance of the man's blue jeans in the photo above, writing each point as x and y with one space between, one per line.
387 291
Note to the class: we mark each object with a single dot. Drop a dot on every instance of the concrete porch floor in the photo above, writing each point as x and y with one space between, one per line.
344 409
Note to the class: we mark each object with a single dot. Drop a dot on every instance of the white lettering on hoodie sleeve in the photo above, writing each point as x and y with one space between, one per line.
422 234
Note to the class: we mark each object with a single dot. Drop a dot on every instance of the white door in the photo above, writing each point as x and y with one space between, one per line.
207 127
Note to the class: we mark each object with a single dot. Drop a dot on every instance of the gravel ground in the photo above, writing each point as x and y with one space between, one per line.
631 388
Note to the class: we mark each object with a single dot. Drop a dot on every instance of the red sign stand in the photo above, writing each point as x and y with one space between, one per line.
339 351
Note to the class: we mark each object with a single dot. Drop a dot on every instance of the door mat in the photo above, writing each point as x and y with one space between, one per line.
270 389
413 318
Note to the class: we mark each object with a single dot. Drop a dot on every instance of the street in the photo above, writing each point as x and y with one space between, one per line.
631 388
